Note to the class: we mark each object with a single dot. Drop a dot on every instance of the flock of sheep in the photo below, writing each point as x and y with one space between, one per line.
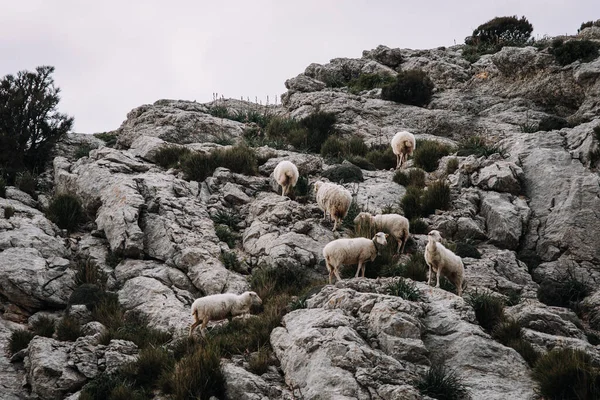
335 201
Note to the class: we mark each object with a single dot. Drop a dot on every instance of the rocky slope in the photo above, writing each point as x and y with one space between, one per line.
534 213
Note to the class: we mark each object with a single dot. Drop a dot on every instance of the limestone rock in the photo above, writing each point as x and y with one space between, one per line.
504 218
501 176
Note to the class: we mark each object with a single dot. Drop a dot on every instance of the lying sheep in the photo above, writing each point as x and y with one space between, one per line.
333 200
395 224
443 262
351 251
286 174
403 145
220 306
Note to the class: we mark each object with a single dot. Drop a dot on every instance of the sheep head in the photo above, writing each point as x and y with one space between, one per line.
434 236
363 217
317 185
380 238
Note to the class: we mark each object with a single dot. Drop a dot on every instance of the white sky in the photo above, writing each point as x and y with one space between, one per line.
111 56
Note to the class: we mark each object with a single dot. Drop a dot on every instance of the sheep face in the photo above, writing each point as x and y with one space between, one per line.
256 306
380 238
362 218
317 185
435 236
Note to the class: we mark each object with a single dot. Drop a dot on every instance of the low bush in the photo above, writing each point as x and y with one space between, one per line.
416 268
197 166
169 156
567 374
361 162
102 387
564 291
411 202
343 173
151 363
451 166
478 146
83 150
428 154
413 87
318 127
418 227
27 182
574 50
65 211
509 333
588 24
302 188
89 272
259 362
226 235
43 326
230 218
230 261
465 249
2 187
8 212
405 289
270 281
110 139
68 329
382 157
489 309
89 294
337 147
19 340
199 375
369 81
552 123
413 177
436 197
353 211
440 382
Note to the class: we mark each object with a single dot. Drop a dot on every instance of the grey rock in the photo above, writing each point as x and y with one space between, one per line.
11 376
243 385
389 57
234 195
303 83
501 176
116 354
504 219
591 305
467 228
307 164
555 321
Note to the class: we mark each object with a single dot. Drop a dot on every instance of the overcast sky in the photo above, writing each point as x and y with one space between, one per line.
112 56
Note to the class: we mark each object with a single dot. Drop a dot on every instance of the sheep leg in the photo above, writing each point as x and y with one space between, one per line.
334 224
282 190
402 247
397 161
438 273
429 277
195 324
358 269
337 273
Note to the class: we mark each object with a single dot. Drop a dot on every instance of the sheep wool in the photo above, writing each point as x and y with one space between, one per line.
403 145
220 306
351 251
443 262
395 224
334 200
286 174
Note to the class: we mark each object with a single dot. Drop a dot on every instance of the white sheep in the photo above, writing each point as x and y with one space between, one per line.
443 262
220 306
403 145
334 200
351 251
286 174
397 226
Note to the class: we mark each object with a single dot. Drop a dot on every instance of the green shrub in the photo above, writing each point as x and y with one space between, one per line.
259 362
428 153
503 31
2 187
551 123
368 82
357 147
27 182
151 363
529 127
65 210
418 227
333 147
169 156
343 173
478 146
132 326
270 281
353 211
405 289
442 383
451 166
509 333
489 309
110 139
89 272
230 261
101 387
43 326
465 249
564 291
9 212
416 268
230 218
68 329
108 311
197 166
411 87
567 374
226 235
19 340
411 202
361 162
83 150
318 126
381 157
302 187
280 127
240 159
436 197
568 52
413 177
588 24
87 293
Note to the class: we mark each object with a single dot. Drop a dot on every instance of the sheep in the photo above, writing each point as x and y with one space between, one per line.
351 251
403 145
286 174
443 262
220 306
395 224
333 200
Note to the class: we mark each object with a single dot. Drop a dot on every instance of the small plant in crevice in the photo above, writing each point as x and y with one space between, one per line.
436 197
43 326
428 153
418 227
452 166
170 156
489 309
27 182
529 127
440 382
564 291
226 235
230 218
89 272
478 146
110 139
83 150
65 210
413 177
230 261
381 157
405 289
68 329
259 362
510 333
353 211
9 212
113 258
19 340
199 375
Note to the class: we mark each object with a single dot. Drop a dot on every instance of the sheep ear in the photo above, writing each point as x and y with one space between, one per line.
387 235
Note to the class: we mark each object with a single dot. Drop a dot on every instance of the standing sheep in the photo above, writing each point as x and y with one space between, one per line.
443 262
286 174
334 200
220 306
351 251
403 145
397 225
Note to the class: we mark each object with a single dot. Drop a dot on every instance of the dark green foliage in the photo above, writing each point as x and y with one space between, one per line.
513 297
588 24
564 291
353 211
89 272
101 387
418 227
30 124
465 249
369 81
593 338
451 166
478 146
9 212
405 289
551 123
83 150
566 374
442 383
227 217
132 326
411 202
170 156
343 173
2 186
529 127
110 139
267 281
436 197
428 153
19 340
43 326
151 363
414 177
503 31
489 309
382 157
226 235
27 182
362 163
509 333
68 329
65 210
259 362
411 87
198 166
302 187
280 127
230 261
415 268
318 126
113 258
89 294
568 52
337 147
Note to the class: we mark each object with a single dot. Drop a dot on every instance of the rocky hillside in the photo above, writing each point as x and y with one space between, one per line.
526 203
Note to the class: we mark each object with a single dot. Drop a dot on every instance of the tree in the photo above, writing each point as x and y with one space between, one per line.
30 124
502 30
